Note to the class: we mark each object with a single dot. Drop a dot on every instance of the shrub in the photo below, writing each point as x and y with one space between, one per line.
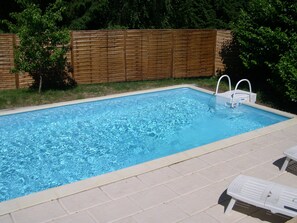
287 68
43 46
266 34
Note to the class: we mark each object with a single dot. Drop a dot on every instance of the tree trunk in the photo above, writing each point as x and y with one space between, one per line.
40 84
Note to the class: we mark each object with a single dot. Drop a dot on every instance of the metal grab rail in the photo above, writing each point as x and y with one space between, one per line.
250 88
229 80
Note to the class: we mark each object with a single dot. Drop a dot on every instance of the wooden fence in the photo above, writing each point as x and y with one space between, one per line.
129 55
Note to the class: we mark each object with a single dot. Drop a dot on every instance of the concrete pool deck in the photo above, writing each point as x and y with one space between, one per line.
186 187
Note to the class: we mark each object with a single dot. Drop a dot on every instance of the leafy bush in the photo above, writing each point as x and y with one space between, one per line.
43 46
287 68
266 34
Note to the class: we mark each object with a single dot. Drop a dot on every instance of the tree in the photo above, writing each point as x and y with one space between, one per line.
43 46
266 34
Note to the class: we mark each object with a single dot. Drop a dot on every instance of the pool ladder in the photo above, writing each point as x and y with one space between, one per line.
235 97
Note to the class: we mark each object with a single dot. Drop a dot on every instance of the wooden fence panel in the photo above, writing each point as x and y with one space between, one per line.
89 56
180 53
193 53
135 67
7 79
159 54
116 56
201 50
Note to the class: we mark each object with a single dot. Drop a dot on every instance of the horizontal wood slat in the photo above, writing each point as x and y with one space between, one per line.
129 55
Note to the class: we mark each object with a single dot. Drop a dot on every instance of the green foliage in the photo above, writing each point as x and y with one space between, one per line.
266 34
287 68
85 14
136 14
227 11
193 14
173 14
43 46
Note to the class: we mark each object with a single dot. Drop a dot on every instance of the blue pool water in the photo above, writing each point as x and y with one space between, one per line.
51 147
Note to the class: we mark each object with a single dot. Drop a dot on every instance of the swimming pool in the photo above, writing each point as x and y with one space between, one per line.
52 147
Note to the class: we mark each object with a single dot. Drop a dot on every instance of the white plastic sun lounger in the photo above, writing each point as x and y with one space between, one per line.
264 194
291 154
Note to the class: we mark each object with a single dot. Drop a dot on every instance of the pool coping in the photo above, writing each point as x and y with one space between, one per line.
97 181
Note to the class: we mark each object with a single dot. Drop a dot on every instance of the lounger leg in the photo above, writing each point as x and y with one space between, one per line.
284 167
230 206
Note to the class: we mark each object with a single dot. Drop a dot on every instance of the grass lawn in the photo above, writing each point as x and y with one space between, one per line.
26 97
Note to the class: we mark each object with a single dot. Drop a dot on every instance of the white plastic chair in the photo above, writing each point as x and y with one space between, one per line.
291 154
264 194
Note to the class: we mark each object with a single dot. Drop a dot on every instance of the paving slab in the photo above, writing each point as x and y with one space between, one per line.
196 202
153 196
244 162
218 157
124 187
249 220
165 213
114 210
126 220
39 213
219 172
188 183
80 217
200 217
6 219
217 212
84 200
243 148
189 166
159 176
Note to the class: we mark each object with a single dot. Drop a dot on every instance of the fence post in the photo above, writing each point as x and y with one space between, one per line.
189 32
172 53
16 76
215 51
141 54
107 51
72 54
125 60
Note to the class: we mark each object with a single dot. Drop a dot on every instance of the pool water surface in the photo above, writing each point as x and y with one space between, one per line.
51 147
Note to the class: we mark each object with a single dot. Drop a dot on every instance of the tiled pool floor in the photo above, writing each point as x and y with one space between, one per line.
189 191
